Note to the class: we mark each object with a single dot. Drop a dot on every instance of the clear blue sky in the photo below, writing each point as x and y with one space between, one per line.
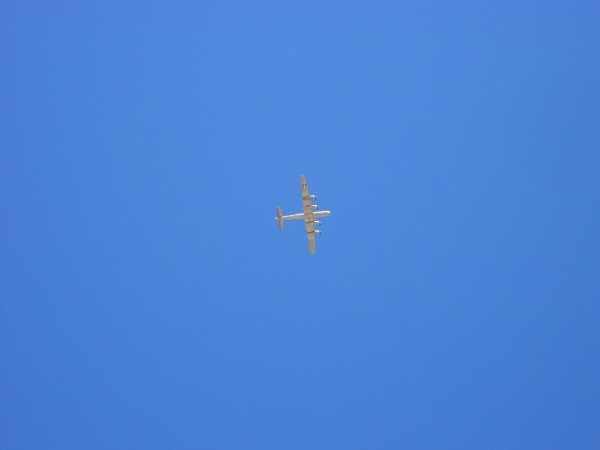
148 300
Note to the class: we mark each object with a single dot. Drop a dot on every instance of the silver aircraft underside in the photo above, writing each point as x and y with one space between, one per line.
309 215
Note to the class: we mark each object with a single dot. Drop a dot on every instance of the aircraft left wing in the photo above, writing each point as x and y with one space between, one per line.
306 203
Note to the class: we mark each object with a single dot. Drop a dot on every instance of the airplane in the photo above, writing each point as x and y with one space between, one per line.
309 215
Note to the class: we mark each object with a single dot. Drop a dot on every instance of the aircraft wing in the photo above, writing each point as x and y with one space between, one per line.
306 203
310 233
309 218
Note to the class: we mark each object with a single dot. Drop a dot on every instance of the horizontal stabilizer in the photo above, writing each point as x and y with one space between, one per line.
280 218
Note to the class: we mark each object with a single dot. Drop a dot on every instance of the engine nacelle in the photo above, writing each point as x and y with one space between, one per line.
317 231
317 222
315 206
312 196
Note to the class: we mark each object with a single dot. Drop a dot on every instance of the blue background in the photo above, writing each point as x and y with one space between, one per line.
148 300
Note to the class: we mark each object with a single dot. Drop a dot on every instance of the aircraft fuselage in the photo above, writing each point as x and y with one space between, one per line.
302 216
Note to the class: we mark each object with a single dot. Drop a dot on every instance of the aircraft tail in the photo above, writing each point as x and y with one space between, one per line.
279 218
